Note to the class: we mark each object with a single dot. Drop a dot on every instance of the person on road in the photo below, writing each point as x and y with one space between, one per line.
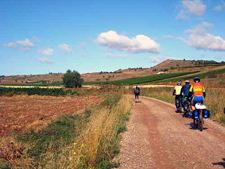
198 92
177 94
137 93
185 90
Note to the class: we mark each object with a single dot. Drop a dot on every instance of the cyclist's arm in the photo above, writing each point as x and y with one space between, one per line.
203 90
190 91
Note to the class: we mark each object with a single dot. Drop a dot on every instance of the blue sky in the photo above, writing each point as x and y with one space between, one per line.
42 36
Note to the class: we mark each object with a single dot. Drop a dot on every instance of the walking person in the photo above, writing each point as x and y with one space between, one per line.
137 93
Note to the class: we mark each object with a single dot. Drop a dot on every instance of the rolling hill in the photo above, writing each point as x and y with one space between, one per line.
167 67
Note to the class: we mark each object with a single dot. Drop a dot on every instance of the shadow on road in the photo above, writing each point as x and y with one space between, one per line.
220 163
193 127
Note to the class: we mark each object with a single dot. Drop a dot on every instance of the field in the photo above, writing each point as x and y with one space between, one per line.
71 131
21 112
140 80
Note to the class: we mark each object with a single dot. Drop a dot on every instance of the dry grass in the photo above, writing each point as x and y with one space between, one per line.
99 142
94 145
215 102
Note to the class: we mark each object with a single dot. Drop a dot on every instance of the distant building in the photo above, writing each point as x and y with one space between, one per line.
161 73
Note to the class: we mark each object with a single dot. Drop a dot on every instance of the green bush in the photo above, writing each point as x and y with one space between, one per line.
72 79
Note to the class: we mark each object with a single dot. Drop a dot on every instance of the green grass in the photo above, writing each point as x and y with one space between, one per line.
64 128
200 75
140 80
52 138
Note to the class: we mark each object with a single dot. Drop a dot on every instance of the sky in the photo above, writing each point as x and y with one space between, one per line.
43 36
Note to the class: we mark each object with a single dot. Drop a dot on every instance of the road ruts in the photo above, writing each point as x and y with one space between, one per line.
159 138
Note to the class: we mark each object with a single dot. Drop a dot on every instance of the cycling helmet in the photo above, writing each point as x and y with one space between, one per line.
187 82
179 83
196 79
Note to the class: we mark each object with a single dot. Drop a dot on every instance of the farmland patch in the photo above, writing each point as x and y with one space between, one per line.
20 112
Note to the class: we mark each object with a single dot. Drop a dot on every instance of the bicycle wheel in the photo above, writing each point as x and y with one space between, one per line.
200 121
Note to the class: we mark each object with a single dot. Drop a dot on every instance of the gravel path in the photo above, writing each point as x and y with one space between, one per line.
157 137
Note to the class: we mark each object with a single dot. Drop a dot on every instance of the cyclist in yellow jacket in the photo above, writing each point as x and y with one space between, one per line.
176 92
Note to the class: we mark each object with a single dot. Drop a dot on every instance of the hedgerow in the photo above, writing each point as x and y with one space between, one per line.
36 91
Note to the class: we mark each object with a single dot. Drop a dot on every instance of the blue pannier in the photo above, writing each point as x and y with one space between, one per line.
207 114
196 115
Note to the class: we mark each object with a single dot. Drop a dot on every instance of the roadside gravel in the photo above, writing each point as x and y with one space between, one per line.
157 137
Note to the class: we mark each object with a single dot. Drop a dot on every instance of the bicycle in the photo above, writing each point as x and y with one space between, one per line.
186 106
200 113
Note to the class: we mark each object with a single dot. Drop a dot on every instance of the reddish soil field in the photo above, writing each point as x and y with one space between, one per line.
20 112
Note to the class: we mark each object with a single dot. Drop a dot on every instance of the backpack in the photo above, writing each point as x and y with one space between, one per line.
136 91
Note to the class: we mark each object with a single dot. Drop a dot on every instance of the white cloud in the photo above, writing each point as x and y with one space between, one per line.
26 43
157 59
46 52
191 7
111 55
201 39
10 44
44 60
138 44
65 48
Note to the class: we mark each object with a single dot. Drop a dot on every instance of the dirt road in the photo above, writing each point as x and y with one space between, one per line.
159 138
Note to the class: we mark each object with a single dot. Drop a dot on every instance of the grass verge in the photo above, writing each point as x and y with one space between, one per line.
89 140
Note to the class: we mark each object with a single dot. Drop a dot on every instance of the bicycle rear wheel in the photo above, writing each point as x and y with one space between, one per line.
200 121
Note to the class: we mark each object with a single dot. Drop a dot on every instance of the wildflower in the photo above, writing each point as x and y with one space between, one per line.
74 153
82 145
74 143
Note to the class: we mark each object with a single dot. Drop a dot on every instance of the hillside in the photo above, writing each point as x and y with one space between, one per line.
176 64
167 66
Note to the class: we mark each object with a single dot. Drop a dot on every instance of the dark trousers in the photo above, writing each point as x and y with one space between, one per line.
178 97
136 96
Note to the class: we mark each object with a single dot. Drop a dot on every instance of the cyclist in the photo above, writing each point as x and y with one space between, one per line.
137 93
198 92
177 94
185 90
185 99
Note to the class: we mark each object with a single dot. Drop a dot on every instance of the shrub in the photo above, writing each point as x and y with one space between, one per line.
72 79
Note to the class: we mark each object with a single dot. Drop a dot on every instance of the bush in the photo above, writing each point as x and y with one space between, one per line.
72 79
